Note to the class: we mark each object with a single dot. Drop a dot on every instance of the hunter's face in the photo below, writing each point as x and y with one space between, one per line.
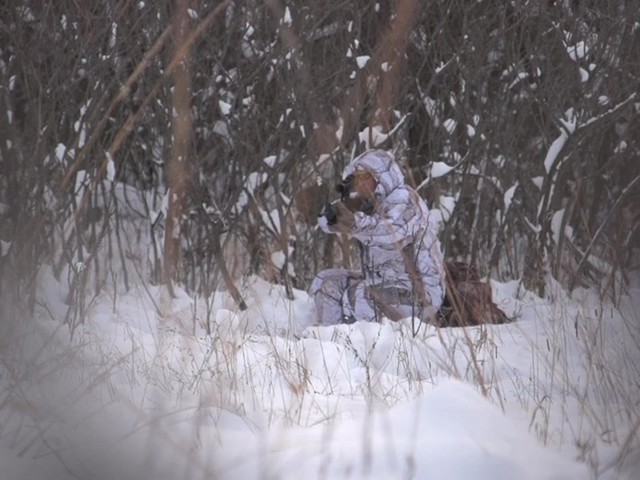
364 184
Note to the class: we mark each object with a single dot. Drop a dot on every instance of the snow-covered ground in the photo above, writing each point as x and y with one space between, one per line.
184 388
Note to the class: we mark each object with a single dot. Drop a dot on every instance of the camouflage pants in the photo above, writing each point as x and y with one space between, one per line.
344 296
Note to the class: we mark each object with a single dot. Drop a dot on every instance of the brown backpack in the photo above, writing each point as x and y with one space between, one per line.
468 299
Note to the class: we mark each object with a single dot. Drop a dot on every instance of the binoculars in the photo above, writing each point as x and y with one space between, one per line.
344 187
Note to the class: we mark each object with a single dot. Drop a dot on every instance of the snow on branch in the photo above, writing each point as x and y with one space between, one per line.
569 127
611 111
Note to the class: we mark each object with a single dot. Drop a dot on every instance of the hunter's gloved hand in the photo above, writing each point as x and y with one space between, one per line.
340 218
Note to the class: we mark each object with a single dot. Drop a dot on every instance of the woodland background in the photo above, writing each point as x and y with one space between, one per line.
213 132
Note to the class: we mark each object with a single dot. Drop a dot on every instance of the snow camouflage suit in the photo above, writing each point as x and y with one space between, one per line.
402 264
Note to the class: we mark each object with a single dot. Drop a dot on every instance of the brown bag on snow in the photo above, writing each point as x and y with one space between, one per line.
468 300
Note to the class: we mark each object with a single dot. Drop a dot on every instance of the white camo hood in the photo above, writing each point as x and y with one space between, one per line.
382 166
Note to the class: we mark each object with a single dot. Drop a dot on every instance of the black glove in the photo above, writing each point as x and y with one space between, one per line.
339 217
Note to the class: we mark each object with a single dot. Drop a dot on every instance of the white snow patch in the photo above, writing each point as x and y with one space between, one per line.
554 150
556 225
584 75
450 125
362 60
440 169
508 196
114 35
519 77
446 205
221 128
372 136
271 160
621 147
538 182
287 19
431 106
578 51
225 108
278 259
82 180
471 131
340 130
4 248
111 168
60 152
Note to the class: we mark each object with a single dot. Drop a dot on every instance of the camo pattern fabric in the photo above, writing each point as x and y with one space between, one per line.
401 253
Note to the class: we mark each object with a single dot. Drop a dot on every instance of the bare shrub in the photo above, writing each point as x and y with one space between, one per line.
533 105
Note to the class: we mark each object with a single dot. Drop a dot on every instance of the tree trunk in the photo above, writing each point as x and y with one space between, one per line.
178 168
